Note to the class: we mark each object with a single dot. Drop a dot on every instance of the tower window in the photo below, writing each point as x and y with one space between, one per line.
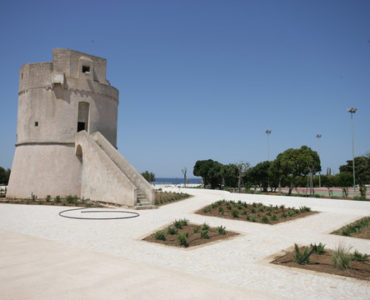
81 126
86 69
36 124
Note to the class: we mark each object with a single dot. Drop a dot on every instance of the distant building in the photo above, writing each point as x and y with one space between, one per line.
66 134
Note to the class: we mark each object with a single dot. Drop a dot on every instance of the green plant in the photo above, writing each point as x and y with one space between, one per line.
235 213
70 199
159 235
221 230
48 198
204 234
183 240
253 211
319 249
358 256
206 210
172 230
33 197
205 226
299 256
253 218
304 209
196 229
180 223
341 258
265 219
274 218
221 210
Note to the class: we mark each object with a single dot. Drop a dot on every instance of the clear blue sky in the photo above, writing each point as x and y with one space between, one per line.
205 79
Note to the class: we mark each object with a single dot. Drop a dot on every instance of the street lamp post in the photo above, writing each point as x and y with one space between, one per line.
352 111
318 148
268 132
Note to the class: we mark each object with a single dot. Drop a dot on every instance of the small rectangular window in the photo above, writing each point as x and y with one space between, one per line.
86 69
81 126
36 124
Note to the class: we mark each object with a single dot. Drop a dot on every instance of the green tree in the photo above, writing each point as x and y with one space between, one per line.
4 175
259 175
229 175
362 169
293 163
210 171
149 176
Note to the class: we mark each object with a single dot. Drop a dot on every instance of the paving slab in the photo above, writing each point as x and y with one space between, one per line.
241 262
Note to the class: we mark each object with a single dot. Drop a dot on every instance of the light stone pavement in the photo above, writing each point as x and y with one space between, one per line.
241 262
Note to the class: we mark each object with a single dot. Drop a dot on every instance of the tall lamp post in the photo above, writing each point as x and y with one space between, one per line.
318 148
352 111
268 132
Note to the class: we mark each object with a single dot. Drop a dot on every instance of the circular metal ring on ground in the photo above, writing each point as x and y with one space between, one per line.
131 214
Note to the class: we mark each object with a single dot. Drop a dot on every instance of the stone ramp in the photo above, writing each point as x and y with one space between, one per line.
33 268
107 176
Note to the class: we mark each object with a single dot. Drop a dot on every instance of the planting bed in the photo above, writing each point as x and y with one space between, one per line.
181 233
359 229
255 212
57 201
163 198
358 267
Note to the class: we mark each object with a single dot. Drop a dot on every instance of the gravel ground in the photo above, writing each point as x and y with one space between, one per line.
241 261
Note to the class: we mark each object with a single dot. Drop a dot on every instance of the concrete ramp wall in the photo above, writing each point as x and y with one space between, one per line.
101 178
143 186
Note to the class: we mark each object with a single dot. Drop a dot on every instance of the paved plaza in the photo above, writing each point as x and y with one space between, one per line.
45 256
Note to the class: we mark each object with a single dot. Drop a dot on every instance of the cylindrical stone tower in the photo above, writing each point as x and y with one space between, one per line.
56 100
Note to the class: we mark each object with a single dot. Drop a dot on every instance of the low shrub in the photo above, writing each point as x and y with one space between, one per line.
235 213
183 240
172 230
341 258
265 219
180 223
320 248
159 235
48 198
301 257
221 230
204 234
358 256
205 226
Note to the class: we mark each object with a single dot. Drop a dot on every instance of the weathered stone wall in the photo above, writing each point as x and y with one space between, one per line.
44 170
101 179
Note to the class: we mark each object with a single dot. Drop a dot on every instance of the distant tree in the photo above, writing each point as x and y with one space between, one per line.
229 175
344 180
184 171
149 176
362 169
259 175
4 176
243 168
210 171
293 163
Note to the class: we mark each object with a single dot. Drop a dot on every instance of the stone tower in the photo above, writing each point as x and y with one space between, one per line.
66 134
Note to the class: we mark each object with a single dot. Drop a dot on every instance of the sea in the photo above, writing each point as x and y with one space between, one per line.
177 180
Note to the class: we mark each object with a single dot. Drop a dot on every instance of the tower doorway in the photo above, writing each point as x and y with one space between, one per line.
83 116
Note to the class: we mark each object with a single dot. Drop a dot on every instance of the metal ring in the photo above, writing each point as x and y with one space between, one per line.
82 210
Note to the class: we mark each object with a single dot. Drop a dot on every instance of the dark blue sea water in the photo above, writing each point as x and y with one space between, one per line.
176 180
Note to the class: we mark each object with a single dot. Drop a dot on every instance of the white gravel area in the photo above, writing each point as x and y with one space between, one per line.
241 261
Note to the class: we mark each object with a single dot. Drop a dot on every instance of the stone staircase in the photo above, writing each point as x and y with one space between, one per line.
142 201
144 191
